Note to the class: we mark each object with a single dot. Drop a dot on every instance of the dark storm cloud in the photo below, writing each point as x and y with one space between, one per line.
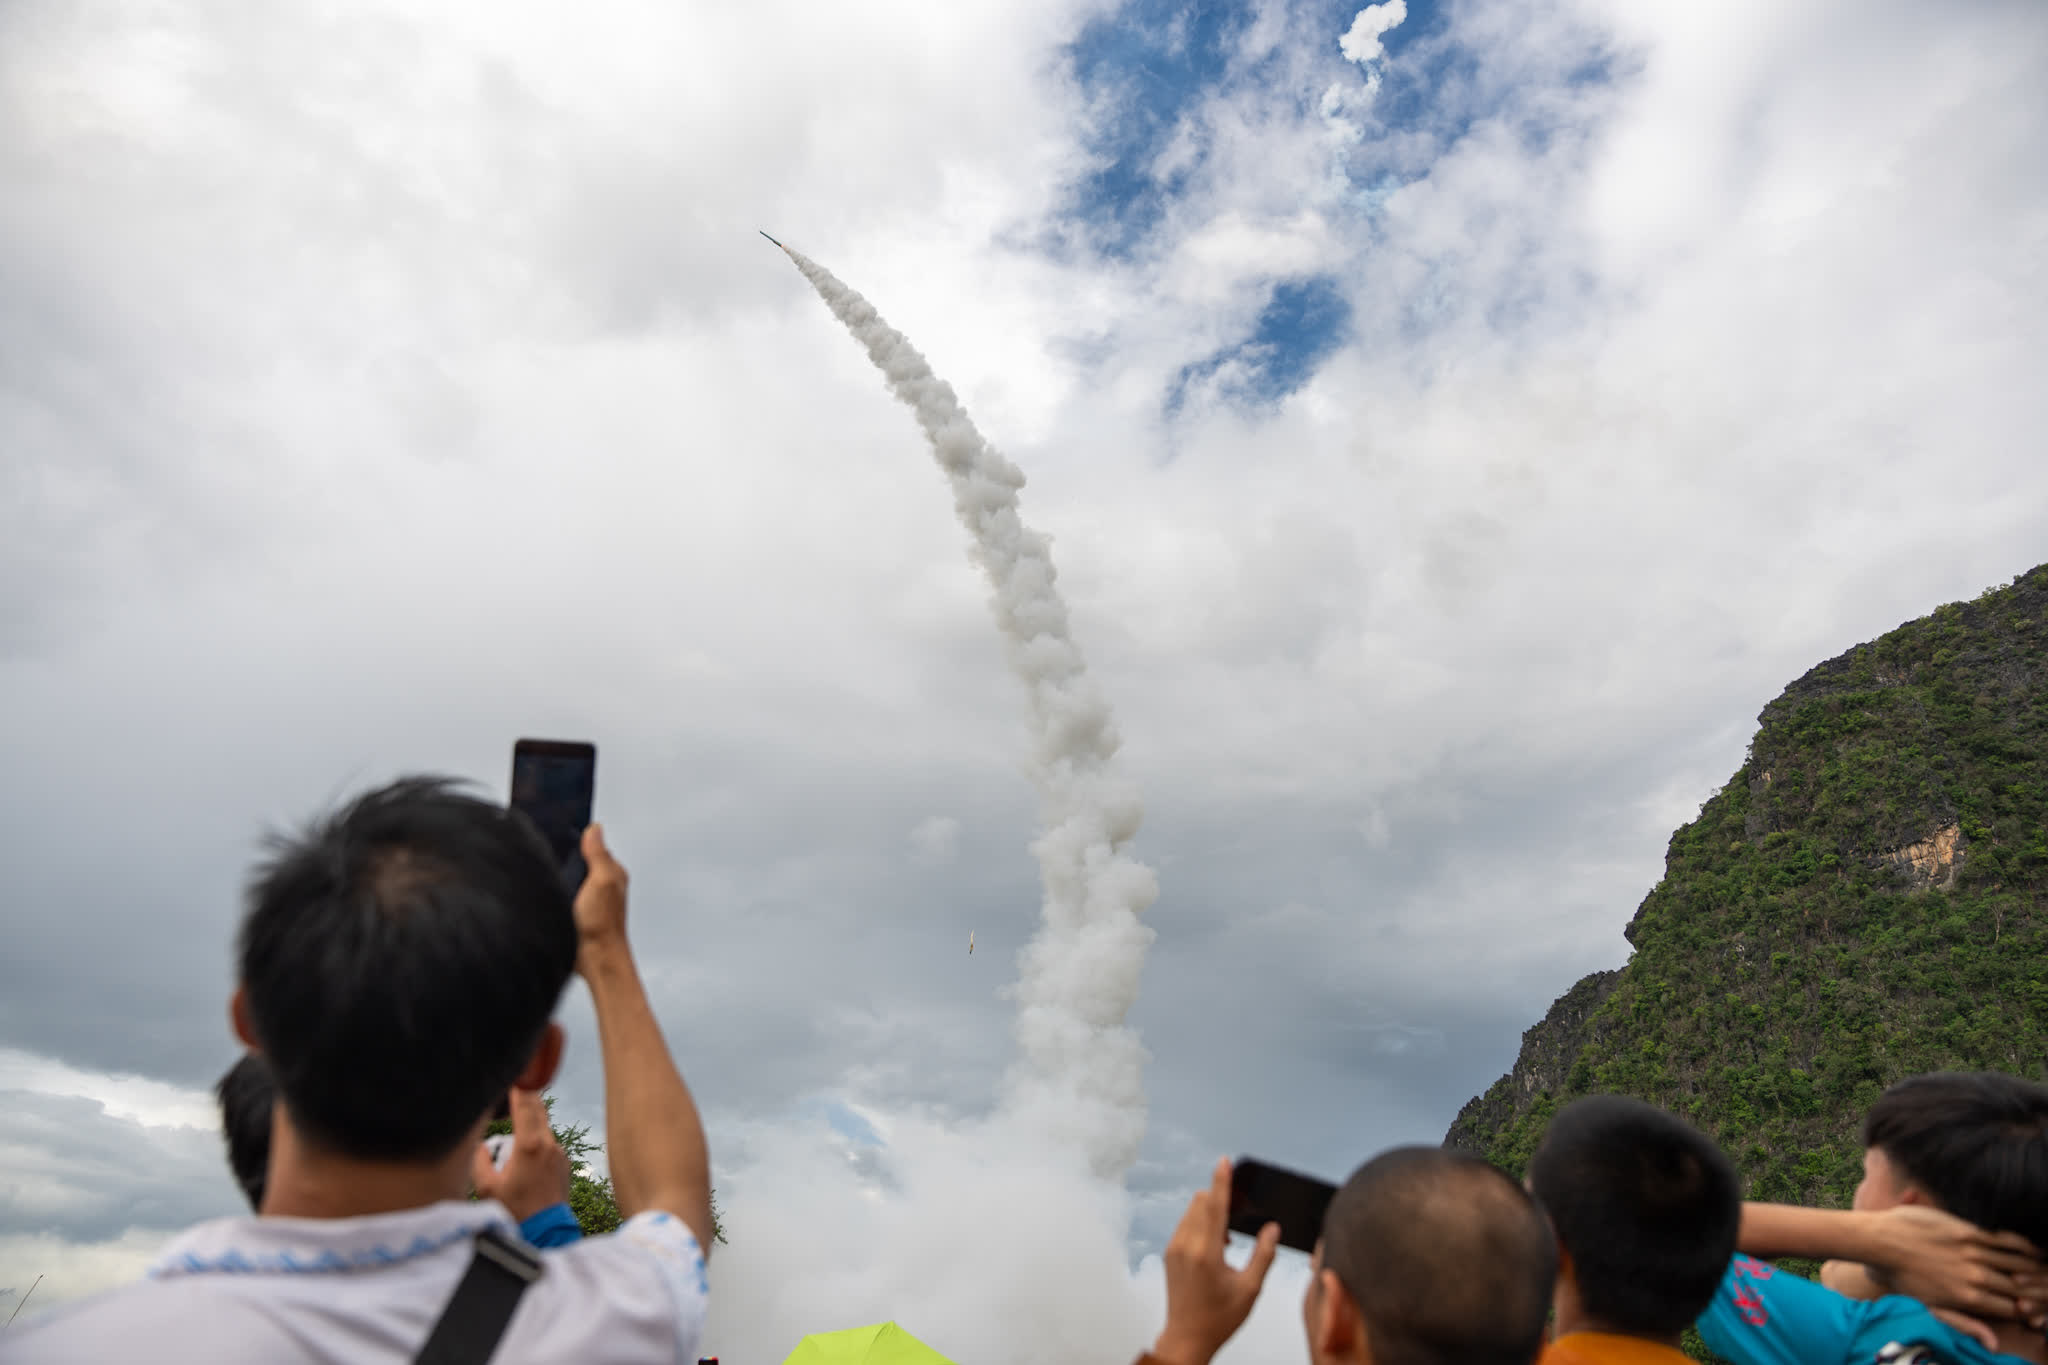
74 1169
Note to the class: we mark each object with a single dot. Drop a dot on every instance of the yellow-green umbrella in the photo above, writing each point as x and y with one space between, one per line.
882 1344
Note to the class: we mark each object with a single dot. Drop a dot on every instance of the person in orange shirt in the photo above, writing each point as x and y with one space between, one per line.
1646 1210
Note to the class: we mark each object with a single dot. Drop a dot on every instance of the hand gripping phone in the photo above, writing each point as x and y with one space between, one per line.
554 782
1262 1194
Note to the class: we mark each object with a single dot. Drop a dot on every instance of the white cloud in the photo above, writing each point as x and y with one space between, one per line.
70 1269
1232 248
96 1172
1361 42
148 1102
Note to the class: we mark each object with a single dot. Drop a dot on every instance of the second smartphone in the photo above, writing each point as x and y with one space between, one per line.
554 783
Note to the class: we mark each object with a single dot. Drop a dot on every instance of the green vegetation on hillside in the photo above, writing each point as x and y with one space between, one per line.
1863 901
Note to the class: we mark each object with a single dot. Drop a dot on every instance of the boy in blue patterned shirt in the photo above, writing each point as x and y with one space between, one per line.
1974 1145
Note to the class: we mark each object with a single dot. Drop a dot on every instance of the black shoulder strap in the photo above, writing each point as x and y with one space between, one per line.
475 1318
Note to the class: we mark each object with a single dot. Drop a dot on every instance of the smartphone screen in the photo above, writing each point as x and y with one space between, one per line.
1262 1194
553 784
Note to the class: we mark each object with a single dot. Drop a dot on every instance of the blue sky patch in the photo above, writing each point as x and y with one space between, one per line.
1302 323
1144 66
1150 63
1149 69
842 1120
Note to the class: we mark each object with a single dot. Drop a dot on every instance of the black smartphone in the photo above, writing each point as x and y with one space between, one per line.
554 782
1262 1194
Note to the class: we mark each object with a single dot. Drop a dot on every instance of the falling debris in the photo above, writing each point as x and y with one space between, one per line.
24 1299
1080 1076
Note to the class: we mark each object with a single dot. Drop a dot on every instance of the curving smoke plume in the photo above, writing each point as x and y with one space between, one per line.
1079 1078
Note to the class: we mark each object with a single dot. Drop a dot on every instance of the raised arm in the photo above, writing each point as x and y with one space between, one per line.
1914 1249
653 1137
1207 1299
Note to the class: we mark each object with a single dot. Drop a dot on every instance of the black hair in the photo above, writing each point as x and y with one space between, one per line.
1977 1141
1646 1206
401 958
245 1094
1449 1261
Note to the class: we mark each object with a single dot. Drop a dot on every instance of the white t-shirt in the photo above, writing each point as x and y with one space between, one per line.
267 1291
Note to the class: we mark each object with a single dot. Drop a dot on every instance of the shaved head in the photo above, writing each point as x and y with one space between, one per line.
1449 1261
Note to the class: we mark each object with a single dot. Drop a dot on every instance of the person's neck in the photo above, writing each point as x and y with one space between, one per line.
307 1181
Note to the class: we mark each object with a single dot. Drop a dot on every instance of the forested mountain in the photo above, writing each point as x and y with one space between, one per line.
1864 900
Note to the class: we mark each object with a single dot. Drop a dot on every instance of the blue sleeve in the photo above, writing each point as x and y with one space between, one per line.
553 1226
1765 1316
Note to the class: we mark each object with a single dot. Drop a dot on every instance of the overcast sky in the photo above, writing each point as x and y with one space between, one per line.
1454 422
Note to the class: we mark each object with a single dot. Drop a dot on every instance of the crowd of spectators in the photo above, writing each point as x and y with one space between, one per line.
399 965
1630 1228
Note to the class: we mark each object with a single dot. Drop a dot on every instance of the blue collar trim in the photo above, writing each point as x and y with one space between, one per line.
237 1247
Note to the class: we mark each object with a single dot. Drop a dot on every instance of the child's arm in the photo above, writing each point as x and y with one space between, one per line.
1911 1249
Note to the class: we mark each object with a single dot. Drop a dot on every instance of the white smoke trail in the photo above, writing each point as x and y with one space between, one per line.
1079 1077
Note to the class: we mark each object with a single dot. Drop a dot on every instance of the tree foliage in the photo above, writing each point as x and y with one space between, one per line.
590 1194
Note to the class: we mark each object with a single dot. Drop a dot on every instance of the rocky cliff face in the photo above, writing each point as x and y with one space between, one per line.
1866 899
1545 1063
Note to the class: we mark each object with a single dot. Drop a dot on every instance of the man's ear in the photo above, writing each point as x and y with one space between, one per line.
1339 1329
239 1020
545 1061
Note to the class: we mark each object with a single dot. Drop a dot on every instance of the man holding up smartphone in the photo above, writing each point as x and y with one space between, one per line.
1425 1256
399 965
